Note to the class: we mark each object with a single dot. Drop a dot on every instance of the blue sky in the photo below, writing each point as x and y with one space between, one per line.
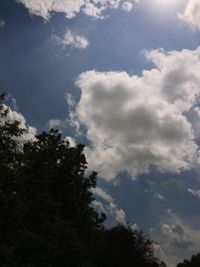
121 77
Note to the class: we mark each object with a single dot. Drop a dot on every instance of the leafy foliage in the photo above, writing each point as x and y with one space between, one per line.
123 246
46 216
45 199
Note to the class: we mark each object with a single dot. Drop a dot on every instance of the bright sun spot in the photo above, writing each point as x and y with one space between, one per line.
166 2
164 9
165 5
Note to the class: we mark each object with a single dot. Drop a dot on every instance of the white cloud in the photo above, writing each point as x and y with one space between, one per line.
98 205
70 8
111 208
71 141
191 14
70 39
44 8
54 123
71 122
90 9
119 214
194 192
176 236
127 6
13 116
63 124
101 193
177 239
159 196
154 189
192 234
169 259
194 117
2 23
58 124
70 101
134 122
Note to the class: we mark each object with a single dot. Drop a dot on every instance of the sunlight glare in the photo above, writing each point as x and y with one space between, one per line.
166 3
163 10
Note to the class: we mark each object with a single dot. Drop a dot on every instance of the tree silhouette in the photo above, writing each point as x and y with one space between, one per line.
122 246
45 200
194 262
46 213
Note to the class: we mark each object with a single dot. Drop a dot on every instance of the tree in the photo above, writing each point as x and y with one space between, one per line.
194 262
122 246
45 199
46 216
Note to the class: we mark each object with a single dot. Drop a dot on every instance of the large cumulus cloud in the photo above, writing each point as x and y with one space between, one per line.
135 122
70 8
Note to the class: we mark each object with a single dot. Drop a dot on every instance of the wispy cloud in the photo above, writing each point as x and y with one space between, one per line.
127 6
2 23
70 39
191 14
111 207
194 192
54 123
177 239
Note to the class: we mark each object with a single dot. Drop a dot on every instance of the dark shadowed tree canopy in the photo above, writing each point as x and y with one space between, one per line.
45 200
123 246
194 262
46 213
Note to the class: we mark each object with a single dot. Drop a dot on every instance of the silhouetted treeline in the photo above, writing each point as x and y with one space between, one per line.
194 262
46 213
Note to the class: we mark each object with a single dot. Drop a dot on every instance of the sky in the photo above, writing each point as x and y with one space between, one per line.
121 77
